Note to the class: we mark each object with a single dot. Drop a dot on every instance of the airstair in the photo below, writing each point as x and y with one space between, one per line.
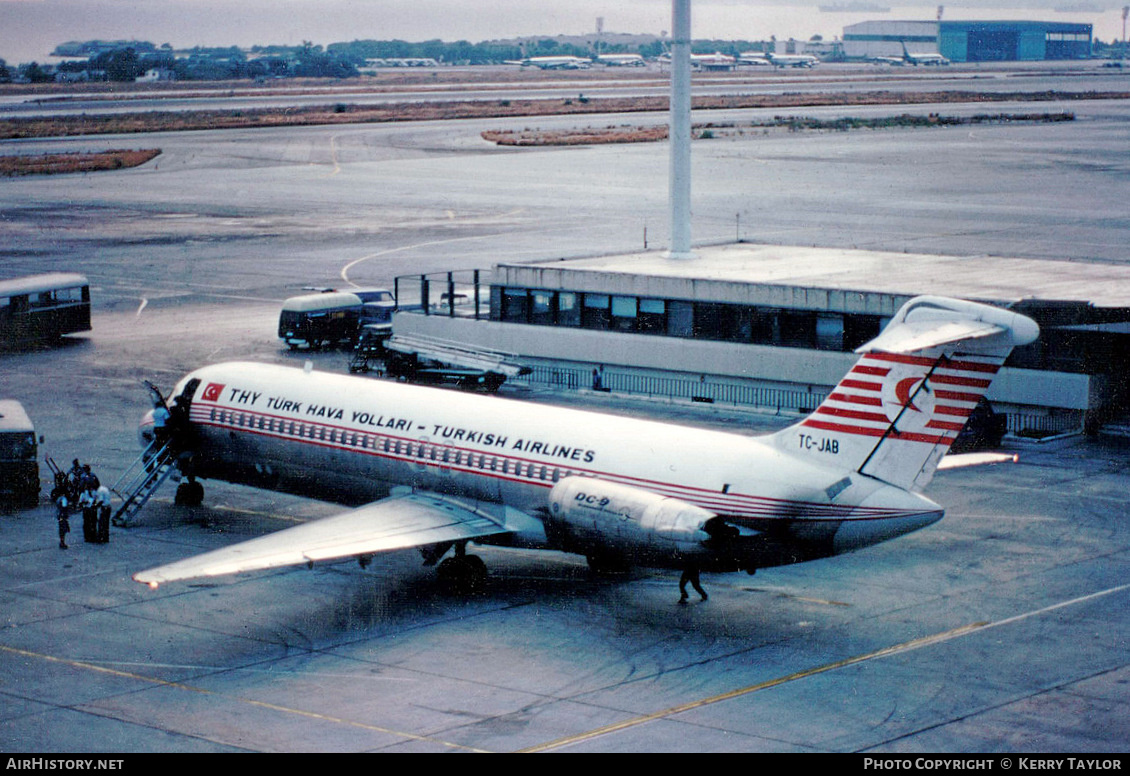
142 479
457 354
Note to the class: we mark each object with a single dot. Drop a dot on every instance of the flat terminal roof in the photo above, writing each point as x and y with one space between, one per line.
985 278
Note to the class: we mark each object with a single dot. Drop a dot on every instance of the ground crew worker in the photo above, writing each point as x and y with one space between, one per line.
89 515
160 423
74 478
690 574
102 498
63 507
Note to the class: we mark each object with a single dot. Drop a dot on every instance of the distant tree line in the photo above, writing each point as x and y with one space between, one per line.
127 60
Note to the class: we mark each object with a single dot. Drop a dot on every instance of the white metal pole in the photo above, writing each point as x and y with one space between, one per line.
680 131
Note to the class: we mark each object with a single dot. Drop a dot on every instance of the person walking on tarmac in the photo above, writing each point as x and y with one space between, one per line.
63 506
690 574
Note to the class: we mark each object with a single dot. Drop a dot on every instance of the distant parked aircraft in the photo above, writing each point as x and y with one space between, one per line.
621 60
922 58
553 63
792 60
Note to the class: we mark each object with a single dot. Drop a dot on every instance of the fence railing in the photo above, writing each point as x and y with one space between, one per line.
1042 424
754 396
673 387
458 294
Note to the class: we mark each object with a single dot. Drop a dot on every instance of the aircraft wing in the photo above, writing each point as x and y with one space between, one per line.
391 524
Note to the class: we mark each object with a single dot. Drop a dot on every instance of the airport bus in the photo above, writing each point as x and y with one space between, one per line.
19 468
318 320
333 317
43 308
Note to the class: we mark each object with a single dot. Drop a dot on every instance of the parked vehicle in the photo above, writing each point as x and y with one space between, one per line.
42 308
334 317
19 467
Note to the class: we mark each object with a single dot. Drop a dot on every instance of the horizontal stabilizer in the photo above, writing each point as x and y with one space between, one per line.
392 524
930 322
928 334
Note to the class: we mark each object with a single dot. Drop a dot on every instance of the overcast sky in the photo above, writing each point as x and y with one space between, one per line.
30 29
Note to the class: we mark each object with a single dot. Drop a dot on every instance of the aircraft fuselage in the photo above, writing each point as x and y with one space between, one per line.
352 440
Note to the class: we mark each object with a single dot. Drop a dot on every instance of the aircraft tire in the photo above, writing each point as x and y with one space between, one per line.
465 574
607 564
189 494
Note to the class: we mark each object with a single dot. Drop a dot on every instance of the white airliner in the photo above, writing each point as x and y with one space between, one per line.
435 469
754 58
715 61
553 63
922 58
792 60
621 60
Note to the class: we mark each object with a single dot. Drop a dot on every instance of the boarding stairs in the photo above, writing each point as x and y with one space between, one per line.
142 479
458 354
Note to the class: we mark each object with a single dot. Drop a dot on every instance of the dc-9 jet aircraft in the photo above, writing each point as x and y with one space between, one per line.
437 469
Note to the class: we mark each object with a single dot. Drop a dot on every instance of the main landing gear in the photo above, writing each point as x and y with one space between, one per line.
463 573
189 494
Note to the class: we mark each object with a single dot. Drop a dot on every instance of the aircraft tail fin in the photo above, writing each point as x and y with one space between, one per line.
894 415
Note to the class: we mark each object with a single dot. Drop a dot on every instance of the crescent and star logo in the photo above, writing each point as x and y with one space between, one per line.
905 394
212 392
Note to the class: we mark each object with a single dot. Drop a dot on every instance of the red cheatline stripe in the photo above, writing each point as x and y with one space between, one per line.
859 385
973 366
875 371
735 505
961 412
931 439
859 430
968 366
945 426
972 398
968 382
870 401
874 417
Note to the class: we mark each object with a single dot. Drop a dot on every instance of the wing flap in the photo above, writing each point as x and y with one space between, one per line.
392 524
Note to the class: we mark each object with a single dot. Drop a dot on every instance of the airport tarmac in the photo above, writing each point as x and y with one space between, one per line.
1003 628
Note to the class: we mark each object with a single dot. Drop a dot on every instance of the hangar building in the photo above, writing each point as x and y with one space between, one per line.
774 327
970 41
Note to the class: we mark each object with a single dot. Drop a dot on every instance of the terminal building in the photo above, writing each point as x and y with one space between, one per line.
969 41
774 327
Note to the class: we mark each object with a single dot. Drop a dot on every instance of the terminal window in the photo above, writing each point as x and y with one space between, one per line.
720 321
